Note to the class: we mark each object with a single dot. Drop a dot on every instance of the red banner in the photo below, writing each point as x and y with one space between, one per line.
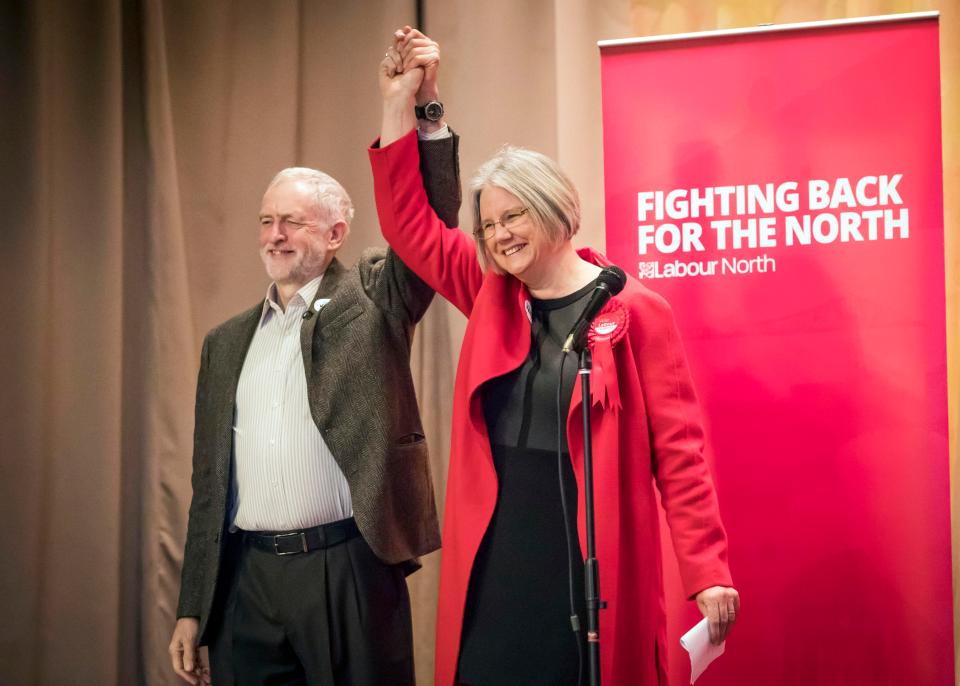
783 190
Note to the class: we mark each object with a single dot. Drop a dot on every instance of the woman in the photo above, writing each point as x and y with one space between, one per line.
503 613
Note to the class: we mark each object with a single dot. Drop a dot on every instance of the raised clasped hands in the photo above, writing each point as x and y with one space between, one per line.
409 68
721 606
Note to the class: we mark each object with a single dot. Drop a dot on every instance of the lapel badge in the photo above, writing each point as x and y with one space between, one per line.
528 308
319 303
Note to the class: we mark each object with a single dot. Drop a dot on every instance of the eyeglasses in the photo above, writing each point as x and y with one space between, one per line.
508 220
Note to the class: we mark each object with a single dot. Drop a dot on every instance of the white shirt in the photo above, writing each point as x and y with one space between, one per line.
284 475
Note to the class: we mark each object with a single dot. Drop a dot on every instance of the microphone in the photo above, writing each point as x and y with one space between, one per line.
610 282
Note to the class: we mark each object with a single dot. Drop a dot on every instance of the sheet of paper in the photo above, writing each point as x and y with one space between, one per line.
702 651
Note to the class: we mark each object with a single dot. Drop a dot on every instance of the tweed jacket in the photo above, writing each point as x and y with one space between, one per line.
356 355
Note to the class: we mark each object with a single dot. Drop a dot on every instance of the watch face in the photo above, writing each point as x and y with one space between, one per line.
433 110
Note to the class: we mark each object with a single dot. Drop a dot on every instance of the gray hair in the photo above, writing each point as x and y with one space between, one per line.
333 202
538 182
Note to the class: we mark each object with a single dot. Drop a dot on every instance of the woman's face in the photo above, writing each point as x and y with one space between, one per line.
522 249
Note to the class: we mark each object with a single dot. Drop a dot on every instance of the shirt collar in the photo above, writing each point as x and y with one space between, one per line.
302 298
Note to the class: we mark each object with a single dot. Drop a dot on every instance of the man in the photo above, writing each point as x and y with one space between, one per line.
312 494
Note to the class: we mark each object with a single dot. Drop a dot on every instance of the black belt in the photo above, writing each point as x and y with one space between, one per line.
293 542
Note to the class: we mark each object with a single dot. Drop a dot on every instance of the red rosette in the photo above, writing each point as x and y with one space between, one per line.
606 330
609 325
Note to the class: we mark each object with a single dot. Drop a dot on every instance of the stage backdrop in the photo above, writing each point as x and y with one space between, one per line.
781 187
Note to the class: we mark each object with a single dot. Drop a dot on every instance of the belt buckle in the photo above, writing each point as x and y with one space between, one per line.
303 543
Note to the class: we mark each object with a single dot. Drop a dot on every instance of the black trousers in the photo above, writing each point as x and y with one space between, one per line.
336 616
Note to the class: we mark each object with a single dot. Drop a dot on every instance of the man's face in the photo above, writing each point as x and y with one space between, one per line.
295 244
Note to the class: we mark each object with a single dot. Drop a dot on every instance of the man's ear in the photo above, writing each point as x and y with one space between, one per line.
336 235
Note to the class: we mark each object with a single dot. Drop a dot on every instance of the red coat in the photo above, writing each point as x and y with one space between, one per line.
647 428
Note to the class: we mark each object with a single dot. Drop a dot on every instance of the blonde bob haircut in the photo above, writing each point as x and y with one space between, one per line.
552 202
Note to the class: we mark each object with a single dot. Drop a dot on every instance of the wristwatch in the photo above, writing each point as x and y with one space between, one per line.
432 111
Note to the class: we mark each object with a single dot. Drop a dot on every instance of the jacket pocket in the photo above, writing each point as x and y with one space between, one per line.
342 318
410 439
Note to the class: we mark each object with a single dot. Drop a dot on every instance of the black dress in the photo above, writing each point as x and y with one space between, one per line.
517 627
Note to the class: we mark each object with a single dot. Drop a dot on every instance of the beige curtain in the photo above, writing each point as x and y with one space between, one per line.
138 136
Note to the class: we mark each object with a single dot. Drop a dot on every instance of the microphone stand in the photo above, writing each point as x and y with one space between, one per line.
591 566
